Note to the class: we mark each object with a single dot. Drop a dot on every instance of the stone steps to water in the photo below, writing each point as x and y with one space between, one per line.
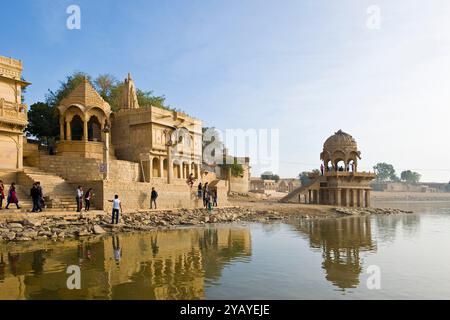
59 192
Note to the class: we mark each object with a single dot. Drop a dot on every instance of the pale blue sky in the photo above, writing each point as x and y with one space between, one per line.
307 68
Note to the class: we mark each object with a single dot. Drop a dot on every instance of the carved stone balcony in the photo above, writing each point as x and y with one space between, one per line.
13 113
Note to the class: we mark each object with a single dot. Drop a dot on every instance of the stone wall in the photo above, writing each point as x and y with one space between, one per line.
82 169
125 171
136 195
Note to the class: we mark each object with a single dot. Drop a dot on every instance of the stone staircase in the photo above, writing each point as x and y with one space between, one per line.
58 193
293 196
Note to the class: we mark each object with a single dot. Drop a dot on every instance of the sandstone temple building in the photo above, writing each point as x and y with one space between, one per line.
339 182
13 116
126 152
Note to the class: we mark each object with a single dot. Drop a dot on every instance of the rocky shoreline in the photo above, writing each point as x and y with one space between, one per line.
367 211
76 226
57 228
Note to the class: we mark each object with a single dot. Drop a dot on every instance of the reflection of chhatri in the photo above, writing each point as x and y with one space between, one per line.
341 241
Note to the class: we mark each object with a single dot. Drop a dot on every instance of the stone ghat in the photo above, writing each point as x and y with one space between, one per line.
76 226
366 211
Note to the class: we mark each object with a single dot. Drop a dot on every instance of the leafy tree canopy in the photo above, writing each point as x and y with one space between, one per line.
43 121
305 176
270 176
43 116
385 172
410 176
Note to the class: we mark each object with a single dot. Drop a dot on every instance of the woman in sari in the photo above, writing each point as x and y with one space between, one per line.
2 194
12 196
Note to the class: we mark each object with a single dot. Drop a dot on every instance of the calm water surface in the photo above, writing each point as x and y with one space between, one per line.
303 259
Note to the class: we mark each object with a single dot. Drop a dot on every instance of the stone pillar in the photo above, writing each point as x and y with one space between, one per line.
360 198
150 169
368 198
198 168
161 167
20 151
353 195
61 128
348 198
331 197
309 196
85 130
338 197
106 156
68 131
169 166
180 170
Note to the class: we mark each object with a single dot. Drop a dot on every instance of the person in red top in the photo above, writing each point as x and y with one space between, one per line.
2 194
12 196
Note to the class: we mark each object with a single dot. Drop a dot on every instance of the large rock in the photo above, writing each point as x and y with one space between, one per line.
99 230
33 222
30 234
15 225
11 236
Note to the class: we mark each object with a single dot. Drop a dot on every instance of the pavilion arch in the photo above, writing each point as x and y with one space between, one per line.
194 170
177 169
337 157
76 128
165 170
156 164
94 129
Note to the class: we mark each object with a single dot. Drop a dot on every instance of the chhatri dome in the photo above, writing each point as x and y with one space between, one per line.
340 147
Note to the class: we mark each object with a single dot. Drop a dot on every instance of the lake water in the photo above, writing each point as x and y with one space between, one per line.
302 259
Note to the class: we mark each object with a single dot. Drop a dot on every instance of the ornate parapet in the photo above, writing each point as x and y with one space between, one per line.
10 68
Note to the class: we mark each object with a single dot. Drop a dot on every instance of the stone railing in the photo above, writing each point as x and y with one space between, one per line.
15 112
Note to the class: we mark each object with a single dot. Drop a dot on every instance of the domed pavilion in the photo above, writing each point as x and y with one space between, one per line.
339 182
340 153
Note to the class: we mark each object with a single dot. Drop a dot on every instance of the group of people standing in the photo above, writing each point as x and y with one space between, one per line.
11 196
208 194
37 195
86 196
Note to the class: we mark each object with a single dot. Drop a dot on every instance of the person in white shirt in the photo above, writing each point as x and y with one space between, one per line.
117 206
79 198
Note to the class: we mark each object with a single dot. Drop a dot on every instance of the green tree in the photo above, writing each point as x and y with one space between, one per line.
447 187
270 176
105 85
305 176
410 176
43 121
385 172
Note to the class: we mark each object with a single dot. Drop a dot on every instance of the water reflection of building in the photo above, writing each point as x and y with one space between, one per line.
157 265
341 241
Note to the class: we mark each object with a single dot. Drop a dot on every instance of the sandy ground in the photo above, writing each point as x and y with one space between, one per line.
284 208
409 196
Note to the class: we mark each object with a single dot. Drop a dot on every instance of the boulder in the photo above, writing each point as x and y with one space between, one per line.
99 230
33 222
15 225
